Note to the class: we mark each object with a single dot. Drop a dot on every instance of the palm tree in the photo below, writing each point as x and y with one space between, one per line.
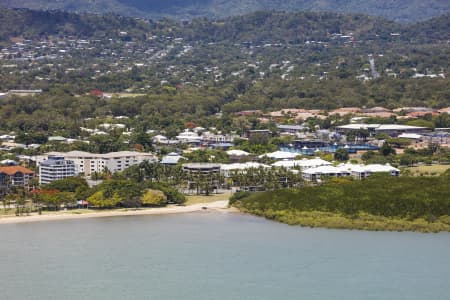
19 197
4 187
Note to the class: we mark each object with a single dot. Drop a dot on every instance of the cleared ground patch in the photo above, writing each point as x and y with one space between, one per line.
428 170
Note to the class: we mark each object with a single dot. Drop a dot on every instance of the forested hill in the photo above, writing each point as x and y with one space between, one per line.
35 24
273 26
436 28
398 10
263 26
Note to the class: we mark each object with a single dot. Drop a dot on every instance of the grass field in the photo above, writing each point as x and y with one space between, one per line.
195 199
429 170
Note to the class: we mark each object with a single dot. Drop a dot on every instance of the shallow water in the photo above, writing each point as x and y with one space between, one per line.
217 256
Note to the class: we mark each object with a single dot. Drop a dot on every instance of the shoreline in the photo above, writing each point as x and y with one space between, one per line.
217 206
364 221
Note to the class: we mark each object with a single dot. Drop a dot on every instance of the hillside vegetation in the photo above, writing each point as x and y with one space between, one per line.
399 10
36 24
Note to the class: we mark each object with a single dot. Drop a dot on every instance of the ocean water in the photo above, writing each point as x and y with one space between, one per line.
217 256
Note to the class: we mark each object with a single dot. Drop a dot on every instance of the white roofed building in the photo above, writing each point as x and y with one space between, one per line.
364 171
7 138
171 159
57 139
238 153
410 136
217 138
314 174
303 164
228 169
108 126
160 139
188 137
343 170
280 155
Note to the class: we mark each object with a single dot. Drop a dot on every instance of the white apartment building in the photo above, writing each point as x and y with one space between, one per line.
55 168
87 163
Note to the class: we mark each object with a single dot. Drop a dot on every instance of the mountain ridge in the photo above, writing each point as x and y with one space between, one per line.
404 11
257 27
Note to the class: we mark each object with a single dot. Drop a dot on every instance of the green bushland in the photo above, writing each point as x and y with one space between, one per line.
378 203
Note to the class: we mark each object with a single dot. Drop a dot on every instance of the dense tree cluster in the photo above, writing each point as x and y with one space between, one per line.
405 197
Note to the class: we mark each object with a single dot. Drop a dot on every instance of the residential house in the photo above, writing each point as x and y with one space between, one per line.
160 139
237 153
189 137
24 92
259 132
291 129
171 159
210 137
364 171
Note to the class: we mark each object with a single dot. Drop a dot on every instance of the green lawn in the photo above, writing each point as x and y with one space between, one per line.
195 199
127 95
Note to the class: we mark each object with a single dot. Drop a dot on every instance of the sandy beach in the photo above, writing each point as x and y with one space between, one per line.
218 206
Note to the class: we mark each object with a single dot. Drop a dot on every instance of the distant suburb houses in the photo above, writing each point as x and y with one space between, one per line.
390 129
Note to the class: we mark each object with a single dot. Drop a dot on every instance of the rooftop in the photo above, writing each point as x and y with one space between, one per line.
380 127
82 154
201 166
304 163
243 166
291 127
237 153
280 155
12 170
